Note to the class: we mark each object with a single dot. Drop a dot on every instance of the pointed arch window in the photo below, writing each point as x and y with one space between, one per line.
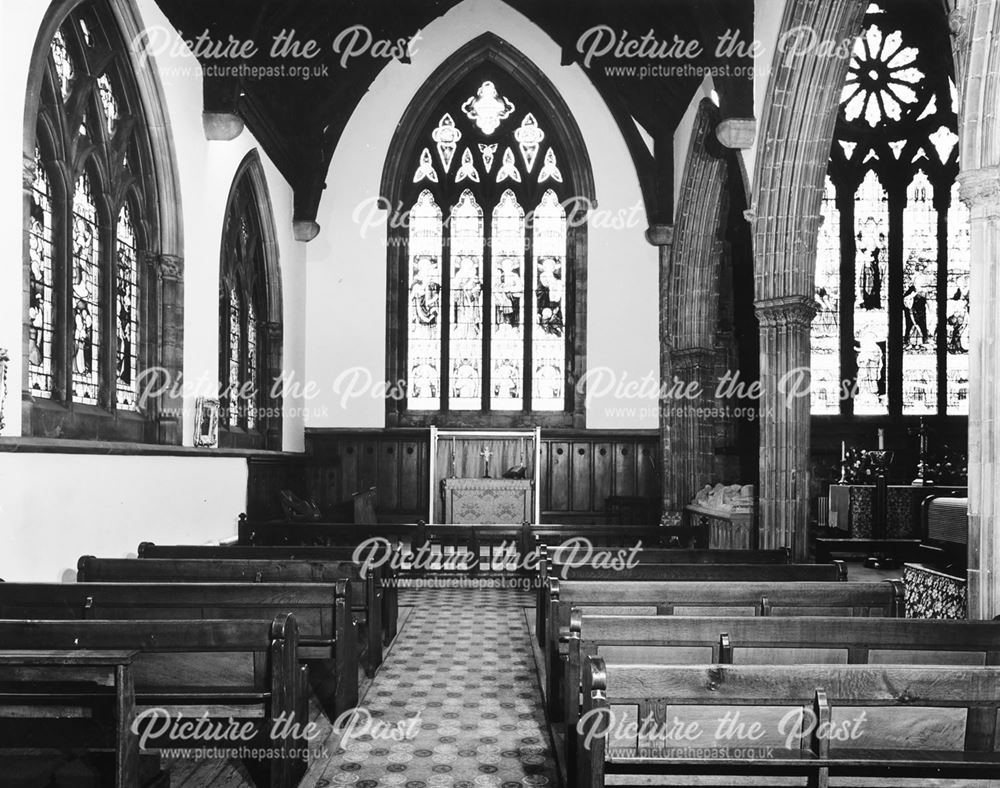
249 320
486 312
892 272
93 257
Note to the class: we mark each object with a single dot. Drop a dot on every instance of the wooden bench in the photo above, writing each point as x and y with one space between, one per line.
325 534
706 598
930 722
57 701
386 574
549 557
682 640
776 573
366 597
220 670
327 632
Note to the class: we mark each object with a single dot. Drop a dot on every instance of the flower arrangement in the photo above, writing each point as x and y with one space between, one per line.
947 466
859 466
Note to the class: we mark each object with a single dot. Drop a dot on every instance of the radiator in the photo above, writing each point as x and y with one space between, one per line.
948 520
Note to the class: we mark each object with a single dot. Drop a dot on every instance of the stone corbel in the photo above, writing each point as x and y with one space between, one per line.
168 267
305 230
221 126
660 234
737 133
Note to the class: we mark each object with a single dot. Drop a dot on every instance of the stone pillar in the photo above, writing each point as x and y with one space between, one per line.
980 189
662 236
693 446
784 422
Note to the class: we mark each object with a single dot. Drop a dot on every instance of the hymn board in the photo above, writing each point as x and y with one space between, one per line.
485 476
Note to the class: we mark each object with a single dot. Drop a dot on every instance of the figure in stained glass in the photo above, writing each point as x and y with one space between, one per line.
467 297
508 295
425 291
550 296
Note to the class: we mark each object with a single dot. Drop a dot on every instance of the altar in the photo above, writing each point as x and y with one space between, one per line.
502 501
484 476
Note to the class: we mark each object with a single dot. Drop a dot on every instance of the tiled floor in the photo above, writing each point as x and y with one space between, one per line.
459 694
463 667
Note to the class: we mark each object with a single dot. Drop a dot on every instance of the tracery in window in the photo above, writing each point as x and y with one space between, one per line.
894 162
91 218
486 309
247 350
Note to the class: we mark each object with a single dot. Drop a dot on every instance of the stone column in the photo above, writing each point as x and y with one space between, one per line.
693 446
662 236
167 344
784 422
980 189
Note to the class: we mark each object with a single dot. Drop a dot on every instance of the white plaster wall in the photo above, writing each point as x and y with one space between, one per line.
56 507
347 267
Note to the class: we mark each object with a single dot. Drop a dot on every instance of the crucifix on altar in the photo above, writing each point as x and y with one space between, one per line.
484 476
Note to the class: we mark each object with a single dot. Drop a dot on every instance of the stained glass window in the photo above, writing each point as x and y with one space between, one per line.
424 306
127 315
957 306
507 340
86 294
249 396
87 231
871 310
920 253
40 297
466 324
894 162
825 340
549 290
486 314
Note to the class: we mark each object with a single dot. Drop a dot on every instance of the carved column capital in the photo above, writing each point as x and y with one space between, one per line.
692 358
797 311
167 267
660 234
980 190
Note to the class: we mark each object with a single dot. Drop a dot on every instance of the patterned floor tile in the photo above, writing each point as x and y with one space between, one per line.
456 703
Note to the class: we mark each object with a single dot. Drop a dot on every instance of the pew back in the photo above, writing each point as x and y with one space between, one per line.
813 721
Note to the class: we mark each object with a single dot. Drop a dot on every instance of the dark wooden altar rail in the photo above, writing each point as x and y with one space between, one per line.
681 640
820 688
328 635
580 469
384 560
366 598
243 670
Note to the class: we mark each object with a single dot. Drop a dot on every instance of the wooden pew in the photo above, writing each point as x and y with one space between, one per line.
556 555
93 711
240 670
327 632
366 598
386 574
892 740
325 534
683 640
669 572
706 598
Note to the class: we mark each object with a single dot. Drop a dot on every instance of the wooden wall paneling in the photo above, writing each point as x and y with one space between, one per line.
582 476
349 460
559 495
604 473
545 476
624 468
648 477
387 481
412 494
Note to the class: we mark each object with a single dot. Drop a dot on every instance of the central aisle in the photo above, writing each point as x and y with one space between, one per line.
463 665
